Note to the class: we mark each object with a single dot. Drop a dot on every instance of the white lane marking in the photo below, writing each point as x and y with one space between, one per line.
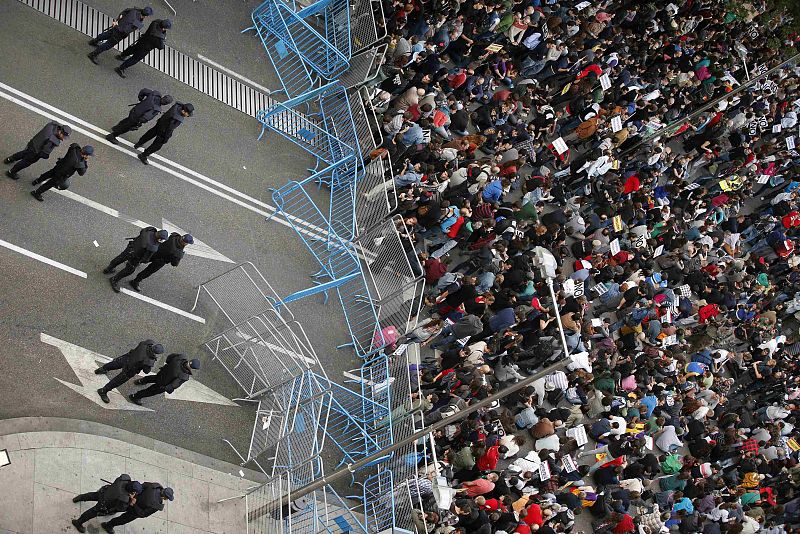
199 248
235 74
306 227
276 348
84 362
42 259
160 304
96 244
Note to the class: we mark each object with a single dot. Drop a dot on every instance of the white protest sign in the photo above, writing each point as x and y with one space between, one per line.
670 340
560 146
776 128
600 289
615 247
684 290
658 251
568 463
764 178
544 471
605 82
569 287
691 186
579 291
616 124
790 143
640 242
579 434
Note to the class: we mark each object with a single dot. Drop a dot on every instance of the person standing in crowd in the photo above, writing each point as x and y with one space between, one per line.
148 502
152 39
148 108
40 147
175 372
75 160
111 499
170 251
162 131
139 250
142 358
127 22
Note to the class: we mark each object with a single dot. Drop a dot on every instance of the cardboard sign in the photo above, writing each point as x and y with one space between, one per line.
640 242
494 47
569 287
670 400
579 434
600 289
579 291
544 471
605 82
670 340
617 222
582 6
692 186
790 143
596 321
764 178
568 463
658 251
616 124
560 145
426 135
615 247
776 128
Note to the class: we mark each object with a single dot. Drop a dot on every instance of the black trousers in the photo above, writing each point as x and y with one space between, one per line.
24 158
123 519
108 39
124 376
48 184
92 512
125 125
130 266
152 391
149 270
152 133
135 53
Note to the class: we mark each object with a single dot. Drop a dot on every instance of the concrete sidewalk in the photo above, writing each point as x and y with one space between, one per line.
54 459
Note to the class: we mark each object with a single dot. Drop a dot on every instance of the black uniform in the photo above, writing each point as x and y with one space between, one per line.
128 21
142 358
65 167
169 378
147 503
148 107
111 499
40 147
163 128
139 250
151 40
170 251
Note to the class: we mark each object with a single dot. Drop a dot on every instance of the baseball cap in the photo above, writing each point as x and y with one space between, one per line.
133 487
194 364
158 348
168 493
166 24
162 235
188 239
88 150
189 108
66 129
147 11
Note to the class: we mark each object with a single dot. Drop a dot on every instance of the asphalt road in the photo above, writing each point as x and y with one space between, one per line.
46 60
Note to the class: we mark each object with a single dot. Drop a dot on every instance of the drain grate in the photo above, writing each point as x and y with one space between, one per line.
171 62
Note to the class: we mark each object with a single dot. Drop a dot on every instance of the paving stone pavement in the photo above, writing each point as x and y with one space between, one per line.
49 467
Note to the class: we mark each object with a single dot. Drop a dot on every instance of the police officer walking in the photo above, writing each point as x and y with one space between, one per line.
176 371
75 160
145 110
111 499
141 358
162 130
170 251
126 23
139 250
150 501
38 148
152 39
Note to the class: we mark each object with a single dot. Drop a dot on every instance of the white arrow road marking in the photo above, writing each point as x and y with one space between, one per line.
84 361
199 248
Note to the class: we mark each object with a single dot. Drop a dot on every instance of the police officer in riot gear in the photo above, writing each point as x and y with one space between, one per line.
111 499
139 250
176 371
126 23
152 39
141 358
170 251
40 147
75 160
148 502
145 110
162 131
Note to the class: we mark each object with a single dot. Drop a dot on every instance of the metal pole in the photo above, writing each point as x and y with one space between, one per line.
709 105
351 468
558 317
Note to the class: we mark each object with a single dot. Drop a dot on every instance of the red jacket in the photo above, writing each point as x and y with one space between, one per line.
488 462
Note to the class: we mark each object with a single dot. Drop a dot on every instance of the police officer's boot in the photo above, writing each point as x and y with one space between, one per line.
103 395
8 160
108 528
94 42
120 71
134 400
109 270
12 175
135 285
143 158
114 284
93 57
111 138
78 526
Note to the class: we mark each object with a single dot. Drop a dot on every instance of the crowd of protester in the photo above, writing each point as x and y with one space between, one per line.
571 126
